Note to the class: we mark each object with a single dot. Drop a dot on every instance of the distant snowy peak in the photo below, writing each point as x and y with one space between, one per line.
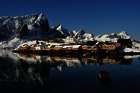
124 35
79 37
59 27
62 30
112 37
78 33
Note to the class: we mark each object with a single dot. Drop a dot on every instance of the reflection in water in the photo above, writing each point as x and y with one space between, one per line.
37 68
32 72
73 61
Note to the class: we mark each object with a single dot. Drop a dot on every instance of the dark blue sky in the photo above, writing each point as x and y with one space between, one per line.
96 16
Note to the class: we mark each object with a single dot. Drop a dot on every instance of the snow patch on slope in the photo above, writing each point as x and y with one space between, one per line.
131 50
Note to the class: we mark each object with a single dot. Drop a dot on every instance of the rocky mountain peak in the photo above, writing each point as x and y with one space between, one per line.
59 27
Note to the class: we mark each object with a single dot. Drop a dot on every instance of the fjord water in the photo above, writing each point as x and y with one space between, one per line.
53 74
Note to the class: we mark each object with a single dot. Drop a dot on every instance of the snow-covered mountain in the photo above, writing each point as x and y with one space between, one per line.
62 30
57 32
112 37
15 30
79 36
33 26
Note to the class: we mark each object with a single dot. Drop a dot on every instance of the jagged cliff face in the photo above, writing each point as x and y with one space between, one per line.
33 26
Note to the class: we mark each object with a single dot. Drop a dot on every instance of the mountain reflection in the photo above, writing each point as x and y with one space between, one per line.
71 61
36 68
32 72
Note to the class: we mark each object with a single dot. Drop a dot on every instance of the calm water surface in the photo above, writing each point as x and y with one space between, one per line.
53 74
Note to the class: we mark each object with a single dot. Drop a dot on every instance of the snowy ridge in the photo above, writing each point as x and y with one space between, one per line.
62 30
112 37
79 37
